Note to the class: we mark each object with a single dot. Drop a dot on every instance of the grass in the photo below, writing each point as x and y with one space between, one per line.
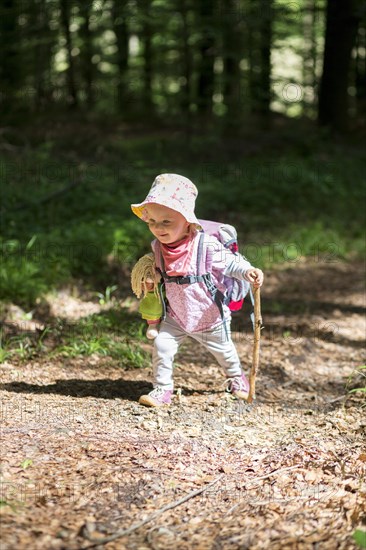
66 216
114 333
298 208
358 381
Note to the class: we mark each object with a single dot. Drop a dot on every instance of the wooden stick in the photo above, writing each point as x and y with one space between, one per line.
257 337
135 526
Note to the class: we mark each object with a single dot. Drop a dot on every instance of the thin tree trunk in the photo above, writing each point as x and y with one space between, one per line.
265 56
120 27
253 67
87 52
45 39
232 48
207 51
9 55
148 61
260 43
360 70
343 17
65 20
187 62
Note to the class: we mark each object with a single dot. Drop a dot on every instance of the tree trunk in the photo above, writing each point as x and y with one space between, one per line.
265 56
87 52
309 53
45 39
207 56
260 43
40 53
9 55
187 62
360 70
343 17
71 86
120 27
147 45
231 70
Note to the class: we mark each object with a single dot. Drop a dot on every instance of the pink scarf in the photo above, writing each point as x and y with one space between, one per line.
177 258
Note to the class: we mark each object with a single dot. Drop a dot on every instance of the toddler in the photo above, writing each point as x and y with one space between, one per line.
191 310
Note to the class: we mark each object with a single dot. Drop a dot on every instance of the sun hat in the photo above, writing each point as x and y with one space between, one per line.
173 191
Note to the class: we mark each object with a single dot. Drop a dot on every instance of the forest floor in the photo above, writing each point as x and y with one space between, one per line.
81 459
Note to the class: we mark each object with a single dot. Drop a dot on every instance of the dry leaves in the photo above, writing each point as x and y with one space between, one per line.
79 460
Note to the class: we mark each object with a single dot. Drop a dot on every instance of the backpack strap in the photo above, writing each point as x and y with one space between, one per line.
183 279
216 295
204 275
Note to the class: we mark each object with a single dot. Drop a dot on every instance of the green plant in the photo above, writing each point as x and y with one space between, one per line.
4 355
26 463
133 356
106 297
361 375
25 349
21 276
85 347
359 537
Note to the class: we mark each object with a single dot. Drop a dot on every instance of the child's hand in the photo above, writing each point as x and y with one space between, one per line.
255 276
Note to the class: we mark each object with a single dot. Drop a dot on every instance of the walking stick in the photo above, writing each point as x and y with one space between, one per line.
257 337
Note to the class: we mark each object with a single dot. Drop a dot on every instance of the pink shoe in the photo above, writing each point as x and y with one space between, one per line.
238 386
157 397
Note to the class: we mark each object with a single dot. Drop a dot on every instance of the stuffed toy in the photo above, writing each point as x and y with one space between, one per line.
145 283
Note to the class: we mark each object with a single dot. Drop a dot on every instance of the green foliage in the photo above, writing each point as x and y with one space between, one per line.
26 463
21 277
360 375
112 333
285 209
105 298
108 334
4 355
359 536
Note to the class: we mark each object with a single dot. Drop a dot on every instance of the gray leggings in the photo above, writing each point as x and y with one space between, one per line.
171 335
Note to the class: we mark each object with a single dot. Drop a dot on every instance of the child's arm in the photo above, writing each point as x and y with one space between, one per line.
235 265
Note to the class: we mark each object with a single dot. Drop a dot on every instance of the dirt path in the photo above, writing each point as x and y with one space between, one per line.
80 457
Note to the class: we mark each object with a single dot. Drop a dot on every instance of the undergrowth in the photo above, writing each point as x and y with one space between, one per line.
66 217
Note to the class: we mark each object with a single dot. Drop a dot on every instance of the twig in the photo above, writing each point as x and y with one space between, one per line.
123 532
257 336
275 472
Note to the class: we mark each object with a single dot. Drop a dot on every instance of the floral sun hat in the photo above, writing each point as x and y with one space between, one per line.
173 191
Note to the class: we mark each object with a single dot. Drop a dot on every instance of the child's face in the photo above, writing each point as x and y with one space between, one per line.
167 225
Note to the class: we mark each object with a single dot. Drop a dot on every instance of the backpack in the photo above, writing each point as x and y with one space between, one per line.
227 235
235 290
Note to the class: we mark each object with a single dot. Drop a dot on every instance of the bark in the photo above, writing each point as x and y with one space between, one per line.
71 86
87 52
260 43
9 55
232 47
360 69
120 27
207 56
187 61
343 17
148 56
310 53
